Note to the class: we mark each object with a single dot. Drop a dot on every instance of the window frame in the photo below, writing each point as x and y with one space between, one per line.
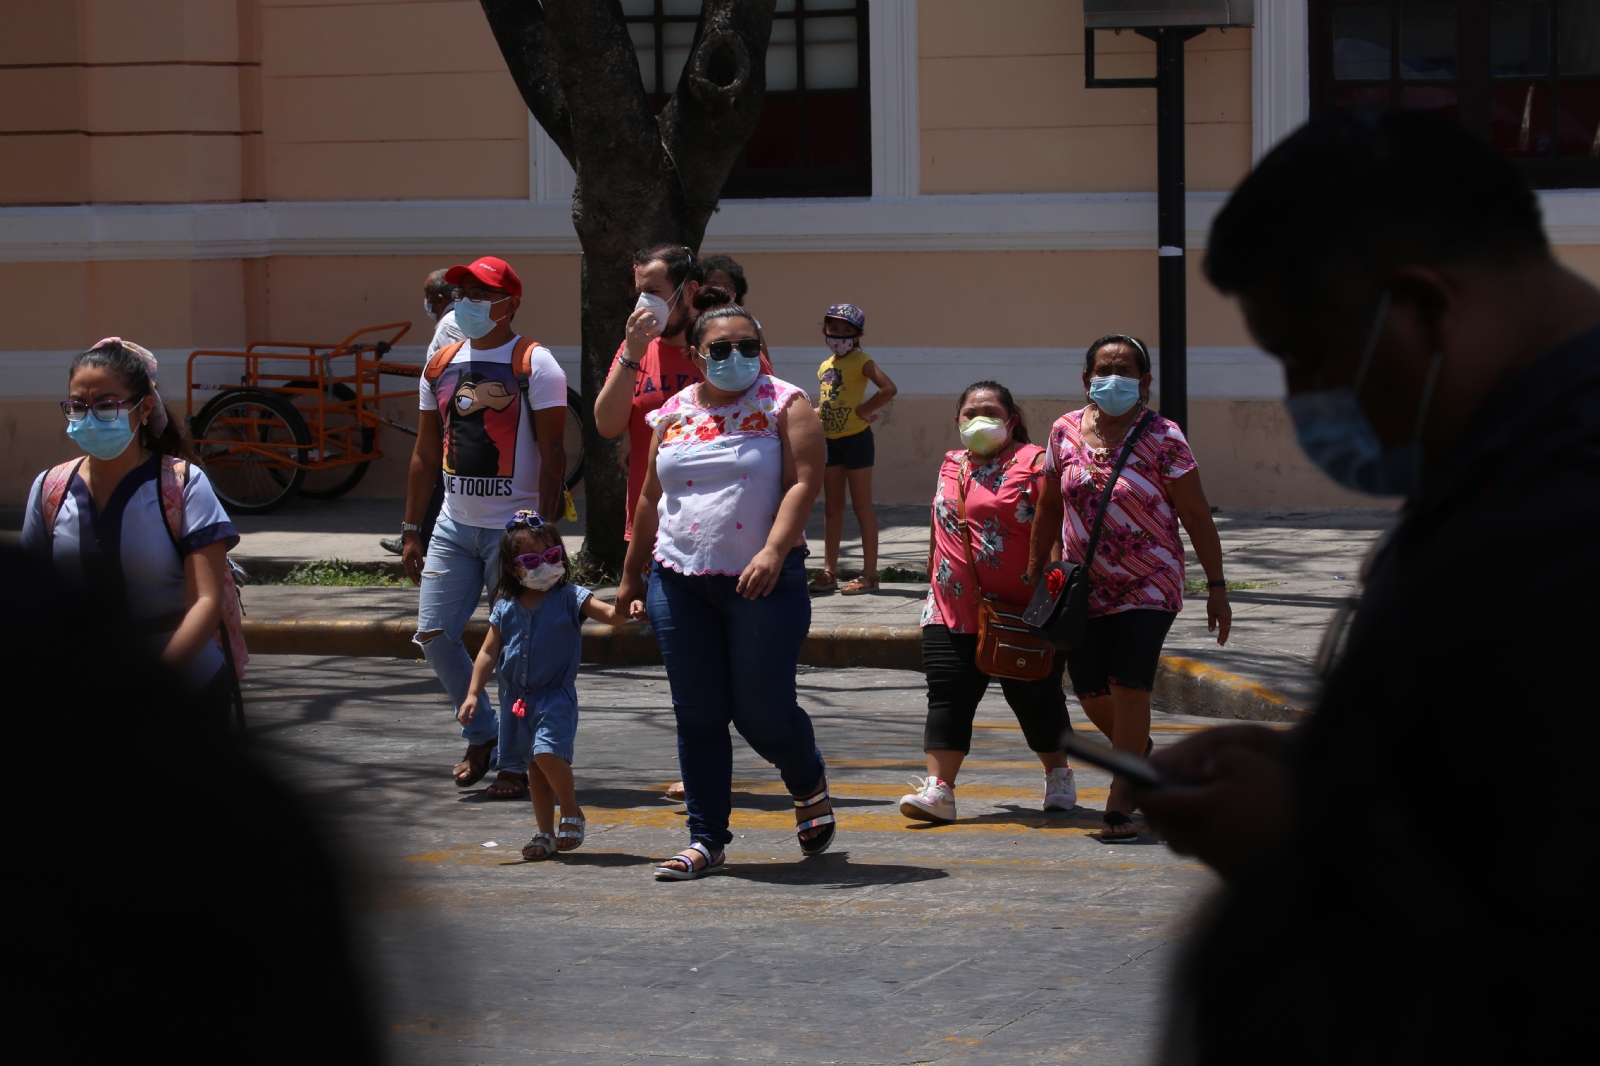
1474 81
804 181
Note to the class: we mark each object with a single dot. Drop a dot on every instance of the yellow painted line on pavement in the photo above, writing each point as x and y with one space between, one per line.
893 790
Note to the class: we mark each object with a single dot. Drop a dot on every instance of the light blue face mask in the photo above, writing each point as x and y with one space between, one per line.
1335 434
735 373
472 318
103 440
1114 394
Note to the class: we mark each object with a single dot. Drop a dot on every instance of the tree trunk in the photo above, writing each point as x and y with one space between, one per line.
643 179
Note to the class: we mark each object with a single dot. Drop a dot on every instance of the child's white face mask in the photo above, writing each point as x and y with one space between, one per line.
542 577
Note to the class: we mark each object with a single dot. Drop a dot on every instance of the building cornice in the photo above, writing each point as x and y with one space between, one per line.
1025 222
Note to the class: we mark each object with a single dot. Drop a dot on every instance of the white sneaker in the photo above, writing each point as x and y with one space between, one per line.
934 801
1060 791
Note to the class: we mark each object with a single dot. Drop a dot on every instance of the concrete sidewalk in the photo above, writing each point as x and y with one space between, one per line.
1307 561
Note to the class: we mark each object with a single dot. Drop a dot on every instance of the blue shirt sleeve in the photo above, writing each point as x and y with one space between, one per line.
35 537
204 519
579 596
497 613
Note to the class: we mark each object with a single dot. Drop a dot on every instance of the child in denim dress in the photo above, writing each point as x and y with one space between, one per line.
534 642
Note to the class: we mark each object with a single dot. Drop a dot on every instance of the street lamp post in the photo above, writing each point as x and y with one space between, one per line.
1169 23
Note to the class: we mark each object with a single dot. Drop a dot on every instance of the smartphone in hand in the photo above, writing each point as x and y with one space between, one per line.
1135 768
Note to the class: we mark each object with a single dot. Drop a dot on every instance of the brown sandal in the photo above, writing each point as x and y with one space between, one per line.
508 785
474 764
825 581
858 586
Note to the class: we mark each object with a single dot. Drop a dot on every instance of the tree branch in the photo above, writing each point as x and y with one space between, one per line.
718 100
520 30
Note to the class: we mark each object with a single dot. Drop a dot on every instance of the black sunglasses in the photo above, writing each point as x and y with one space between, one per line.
750 348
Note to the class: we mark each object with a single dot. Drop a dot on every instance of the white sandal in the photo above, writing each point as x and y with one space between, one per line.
540 840
715 864
564 834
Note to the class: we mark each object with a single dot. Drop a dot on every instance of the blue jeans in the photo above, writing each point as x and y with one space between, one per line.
730 659
462 561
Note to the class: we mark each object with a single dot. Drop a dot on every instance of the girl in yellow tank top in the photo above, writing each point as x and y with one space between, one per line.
847 417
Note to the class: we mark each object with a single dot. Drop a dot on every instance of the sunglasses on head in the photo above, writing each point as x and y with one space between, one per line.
530 560
750 348
531 519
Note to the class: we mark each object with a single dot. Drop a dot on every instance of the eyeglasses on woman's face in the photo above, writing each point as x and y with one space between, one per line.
551 555
103 410
717 351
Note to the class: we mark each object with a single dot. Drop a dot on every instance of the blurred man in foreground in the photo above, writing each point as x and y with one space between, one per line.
1382 903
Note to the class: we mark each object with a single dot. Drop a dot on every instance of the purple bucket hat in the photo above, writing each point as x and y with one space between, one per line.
848 313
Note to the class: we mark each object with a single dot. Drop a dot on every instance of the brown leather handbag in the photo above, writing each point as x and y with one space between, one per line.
1007 646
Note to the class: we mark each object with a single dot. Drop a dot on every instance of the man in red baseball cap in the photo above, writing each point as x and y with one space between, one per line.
493 418
489 273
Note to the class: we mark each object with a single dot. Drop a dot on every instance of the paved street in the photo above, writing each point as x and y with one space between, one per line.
1009 937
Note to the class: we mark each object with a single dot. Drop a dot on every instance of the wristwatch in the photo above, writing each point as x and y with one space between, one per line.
409 527
1219 583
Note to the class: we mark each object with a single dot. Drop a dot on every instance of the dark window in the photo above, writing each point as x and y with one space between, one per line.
1524 74
814 137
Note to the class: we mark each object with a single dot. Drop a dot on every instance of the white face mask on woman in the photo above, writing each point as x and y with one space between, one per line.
984 435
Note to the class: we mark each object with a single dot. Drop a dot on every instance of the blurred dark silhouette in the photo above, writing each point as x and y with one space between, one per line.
175 902
1404 871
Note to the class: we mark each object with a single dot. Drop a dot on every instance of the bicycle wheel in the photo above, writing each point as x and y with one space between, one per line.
338 428
573 438
247 480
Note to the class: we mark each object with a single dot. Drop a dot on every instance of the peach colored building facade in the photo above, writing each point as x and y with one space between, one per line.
204 173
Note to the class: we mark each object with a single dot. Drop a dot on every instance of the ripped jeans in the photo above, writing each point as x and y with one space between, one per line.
462 561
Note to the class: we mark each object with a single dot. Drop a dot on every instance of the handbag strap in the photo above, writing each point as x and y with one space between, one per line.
1111 483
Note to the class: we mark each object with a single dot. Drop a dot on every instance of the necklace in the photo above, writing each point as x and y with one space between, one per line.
1104 452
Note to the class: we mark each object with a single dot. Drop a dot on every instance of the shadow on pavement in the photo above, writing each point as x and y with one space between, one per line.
834 871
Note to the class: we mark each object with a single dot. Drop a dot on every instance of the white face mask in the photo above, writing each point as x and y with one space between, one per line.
543 577
649 301
984 435
427 309
840 345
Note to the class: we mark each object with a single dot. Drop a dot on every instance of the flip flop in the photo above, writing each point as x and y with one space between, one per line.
857 586
508 785
1118 820
476 760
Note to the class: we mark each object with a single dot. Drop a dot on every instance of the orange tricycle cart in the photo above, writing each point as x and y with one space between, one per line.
303 418
299 418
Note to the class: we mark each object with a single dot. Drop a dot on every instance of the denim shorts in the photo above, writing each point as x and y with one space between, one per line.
548 726
855 452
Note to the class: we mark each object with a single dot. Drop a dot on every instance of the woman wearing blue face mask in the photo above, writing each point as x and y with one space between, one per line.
1136 577
733 469
102 518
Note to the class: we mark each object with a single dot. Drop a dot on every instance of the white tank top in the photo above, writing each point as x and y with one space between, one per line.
721 472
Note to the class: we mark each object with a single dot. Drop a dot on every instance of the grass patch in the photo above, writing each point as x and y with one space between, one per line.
1197 587
889 574
336 572
588 572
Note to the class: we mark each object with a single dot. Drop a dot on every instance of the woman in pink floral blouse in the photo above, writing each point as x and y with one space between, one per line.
1001 475
1136 579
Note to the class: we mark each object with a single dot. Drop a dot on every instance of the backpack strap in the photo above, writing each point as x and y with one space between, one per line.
171 478
522 366
57 480
440 360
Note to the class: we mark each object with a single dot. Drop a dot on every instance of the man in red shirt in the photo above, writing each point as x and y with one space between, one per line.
653 362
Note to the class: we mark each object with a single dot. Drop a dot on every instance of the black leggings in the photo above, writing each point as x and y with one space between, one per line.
955 685
1122 649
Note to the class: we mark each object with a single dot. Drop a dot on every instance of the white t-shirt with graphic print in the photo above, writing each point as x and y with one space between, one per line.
491 461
